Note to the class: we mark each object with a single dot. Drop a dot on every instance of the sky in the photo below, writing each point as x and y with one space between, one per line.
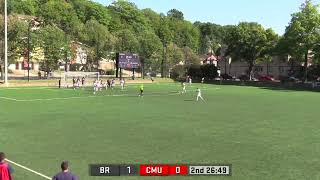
275 14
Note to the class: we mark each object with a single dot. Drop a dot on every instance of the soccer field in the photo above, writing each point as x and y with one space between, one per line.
264 133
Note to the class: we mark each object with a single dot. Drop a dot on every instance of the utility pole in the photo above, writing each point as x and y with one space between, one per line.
29 29
5 43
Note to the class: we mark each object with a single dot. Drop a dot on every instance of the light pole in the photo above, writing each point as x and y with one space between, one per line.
29 27
5 43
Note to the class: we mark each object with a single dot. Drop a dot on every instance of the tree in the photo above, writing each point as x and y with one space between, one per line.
303 34
150 44
88 10
100 40
53 44
126 15
62 14
28 7
250 42
175 55
176 14
211 36
17 36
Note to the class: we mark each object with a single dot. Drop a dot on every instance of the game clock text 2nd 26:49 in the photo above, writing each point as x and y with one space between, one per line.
159 170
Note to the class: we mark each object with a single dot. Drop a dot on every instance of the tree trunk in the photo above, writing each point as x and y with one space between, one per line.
250 70
306 67
1 72
142 69
162 62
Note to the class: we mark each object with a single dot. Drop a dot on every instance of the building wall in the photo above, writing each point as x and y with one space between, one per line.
277 67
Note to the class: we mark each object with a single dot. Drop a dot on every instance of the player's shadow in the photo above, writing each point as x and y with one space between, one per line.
188 100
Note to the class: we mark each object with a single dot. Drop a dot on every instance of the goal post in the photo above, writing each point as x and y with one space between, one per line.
67 78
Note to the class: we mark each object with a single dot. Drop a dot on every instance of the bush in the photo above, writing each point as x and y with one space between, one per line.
195 71
207 71
110 72
178 72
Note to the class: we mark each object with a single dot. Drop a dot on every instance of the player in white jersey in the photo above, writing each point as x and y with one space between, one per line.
184 88
95 87
106 85
199 95
113 83
122 84
100 85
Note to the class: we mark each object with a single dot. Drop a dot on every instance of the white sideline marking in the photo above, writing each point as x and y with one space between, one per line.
66 98
84 97
6 98
28 169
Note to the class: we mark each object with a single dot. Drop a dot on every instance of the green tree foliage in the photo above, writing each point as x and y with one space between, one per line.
184 33
175 14
251 43
128 42
62 14
126 15
53 43
88 10
17 38
100 40
27 7
303 34
150 45
211 36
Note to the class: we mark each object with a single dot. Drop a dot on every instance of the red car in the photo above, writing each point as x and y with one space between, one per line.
266 78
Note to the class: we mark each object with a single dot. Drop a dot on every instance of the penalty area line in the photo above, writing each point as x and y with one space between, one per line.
28 169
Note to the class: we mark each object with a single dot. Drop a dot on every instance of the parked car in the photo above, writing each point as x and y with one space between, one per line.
226 77
289 79
244 77
265 78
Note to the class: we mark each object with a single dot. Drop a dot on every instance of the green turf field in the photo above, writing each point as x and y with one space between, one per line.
265 134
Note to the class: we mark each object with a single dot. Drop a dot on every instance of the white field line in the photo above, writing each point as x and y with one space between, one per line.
66 98
92 96
6 98
85 97
28 169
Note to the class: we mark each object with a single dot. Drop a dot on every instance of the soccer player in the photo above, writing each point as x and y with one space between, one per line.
95 86
184 88
122 84
5 169
83 81
199 95
109 83
78 82
141 90
100 85
113 83
65 174
202 80
190 80
74 83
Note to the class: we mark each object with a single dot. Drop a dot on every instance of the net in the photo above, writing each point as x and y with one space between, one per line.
73 79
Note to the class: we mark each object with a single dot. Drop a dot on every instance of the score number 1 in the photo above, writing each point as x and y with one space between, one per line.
129 170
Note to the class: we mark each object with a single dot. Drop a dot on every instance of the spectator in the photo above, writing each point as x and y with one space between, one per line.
5 169
65 174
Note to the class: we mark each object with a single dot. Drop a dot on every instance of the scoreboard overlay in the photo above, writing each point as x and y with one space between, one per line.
160 170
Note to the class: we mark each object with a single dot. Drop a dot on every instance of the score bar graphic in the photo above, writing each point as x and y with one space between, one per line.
160 170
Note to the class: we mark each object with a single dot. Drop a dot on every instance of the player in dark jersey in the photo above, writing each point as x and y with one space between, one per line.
65 174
